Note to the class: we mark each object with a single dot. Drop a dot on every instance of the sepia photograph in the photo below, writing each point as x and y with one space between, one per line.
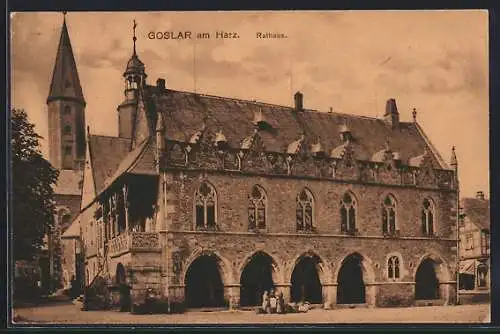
249 167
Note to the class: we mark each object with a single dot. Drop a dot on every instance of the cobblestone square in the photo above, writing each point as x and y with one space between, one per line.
71 314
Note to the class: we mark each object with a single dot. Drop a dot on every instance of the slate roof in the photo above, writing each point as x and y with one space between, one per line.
69 182
477 211
138 161
106 155
73 230
65 80
185 113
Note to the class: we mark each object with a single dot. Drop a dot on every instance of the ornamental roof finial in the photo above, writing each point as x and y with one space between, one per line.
134 38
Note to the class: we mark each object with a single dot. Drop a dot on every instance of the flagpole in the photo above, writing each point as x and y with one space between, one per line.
194 65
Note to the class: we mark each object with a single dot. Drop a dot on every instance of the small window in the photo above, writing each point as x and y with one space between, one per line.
393 271
67 129
91 234
68 150
67 110
469 241
482 272
485 242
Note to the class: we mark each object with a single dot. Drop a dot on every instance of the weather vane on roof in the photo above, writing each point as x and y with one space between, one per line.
134 38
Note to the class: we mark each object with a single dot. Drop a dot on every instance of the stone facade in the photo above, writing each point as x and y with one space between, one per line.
160 259
234 244
211 200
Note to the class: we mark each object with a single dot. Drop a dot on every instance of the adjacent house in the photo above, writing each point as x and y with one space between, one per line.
475 243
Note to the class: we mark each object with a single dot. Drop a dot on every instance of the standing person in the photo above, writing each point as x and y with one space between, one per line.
273 302
281 303
265 302
72 288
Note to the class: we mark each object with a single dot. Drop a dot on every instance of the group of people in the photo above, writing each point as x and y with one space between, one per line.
273 302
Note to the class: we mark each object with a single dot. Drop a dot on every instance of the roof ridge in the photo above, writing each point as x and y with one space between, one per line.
429 144
277 105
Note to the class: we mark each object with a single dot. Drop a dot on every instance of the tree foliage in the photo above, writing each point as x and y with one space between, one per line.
32 193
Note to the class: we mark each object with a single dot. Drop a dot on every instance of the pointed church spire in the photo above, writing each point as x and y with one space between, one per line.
65 81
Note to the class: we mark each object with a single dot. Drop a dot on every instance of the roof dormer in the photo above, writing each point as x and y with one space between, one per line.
295 146
259 120
220 140
317 148
345 133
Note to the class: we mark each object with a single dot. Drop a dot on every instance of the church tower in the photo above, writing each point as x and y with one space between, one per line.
66 106
135 81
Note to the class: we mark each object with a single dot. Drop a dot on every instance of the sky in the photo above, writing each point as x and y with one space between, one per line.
350 61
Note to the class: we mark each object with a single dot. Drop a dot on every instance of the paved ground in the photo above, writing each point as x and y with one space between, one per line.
71 314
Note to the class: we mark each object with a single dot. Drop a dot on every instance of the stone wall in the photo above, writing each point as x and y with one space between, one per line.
233 244
233 191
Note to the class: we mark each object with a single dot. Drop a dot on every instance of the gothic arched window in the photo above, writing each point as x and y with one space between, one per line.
348 214
65 220
427 218
393 271
389 215
305 205
205 206
257 208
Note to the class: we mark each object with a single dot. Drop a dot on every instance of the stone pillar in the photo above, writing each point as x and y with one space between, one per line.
125 206
285 289
329 294
232 294
115 211
370 294
176 293
111 218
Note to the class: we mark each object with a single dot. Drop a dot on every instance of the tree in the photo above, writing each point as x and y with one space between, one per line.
33 206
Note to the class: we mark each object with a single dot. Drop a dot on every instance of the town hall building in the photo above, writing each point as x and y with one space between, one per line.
211 200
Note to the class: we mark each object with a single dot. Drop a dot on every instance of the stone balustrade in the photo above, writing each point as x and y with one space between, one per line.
182 156
134 242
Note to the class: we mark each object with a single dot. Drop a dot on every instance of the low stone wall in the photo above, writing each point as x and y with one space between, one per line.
395 294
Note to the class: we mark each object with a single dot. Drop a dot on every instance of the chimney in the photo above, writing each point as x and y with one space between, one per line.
299 101
391 115
160 83
480 195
